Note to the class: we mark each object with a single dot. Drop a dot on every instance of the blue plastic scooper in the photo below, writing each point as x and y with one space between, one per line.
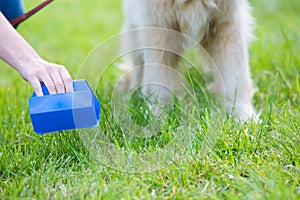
50 113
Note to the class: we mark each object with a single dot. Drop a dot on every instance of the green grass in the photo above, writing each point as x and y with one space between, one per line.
249 161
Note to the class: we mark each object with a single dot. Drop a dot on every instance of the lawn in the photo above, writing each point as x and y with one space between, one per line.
248 161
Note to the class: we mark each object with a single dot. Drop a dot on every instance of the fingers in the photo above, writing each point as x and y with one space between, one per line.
67 80
57 82
55 77
61 80
38 77
50 84
36 85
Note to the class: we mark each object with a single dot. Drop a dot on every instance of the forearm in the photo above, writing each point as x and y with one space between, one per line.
13 48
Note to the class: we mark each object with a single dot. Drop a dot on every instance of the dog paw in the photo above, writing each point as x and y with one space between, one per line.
242 111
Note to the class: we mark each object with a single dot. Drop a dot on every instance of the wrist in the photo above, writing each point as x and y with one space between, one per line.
24 61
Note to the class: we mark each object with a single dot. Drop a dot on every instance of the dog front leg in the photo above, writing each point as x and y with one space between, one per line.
160 78
228 46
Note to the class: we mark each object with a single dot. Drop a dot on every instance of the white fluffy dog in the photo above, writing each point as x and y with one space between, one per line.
222 27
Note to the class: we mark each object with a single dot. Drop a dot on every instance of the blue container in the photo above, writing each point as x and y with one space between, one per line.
11 9
57 112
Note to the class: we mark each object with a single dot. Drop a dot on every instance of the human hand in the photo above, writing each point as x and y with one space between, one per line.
56 77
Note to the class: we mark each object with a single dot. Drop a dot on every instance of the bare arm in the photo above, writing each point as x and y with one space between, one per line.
21 56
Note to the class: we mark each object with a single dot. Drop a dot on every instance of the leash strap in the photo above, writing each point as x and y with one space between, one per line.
23 17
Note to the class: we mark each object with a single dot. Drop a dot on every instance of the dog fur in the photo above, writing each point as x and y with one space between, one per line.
222 27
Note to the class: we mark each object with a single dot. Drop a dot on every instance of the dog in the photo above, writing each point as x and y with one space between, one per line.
222 27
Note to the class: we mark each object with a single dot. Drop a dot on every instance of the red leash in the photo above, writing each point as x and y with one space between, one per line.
25 16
